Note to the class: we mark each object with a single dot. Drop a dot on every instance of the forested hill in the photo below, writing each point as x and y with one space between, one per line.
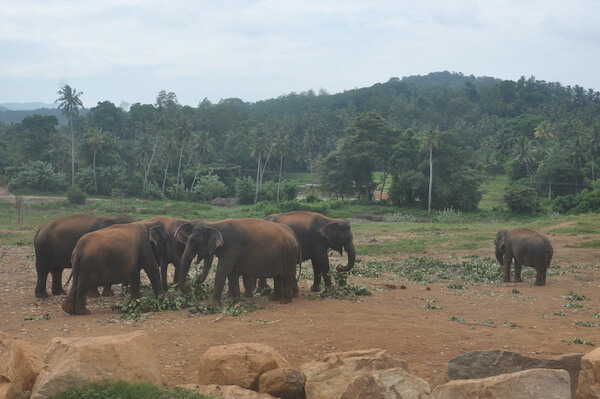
542 131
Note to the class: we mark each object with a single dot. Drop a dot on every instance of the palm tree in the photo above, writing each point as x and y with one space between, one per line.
260 146
182 133
428 140
593 141
524 152
281 148
69 106
96 142
202 145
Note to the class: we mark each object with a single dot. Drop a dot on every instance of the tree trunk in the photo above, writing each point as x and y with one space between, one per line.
94 172
382 186
257 177
72 152
430 182
165 177
147 170
279 181
179 171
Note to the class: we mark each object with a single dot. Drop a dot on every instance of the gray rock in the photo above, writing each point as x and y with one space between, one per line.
284 383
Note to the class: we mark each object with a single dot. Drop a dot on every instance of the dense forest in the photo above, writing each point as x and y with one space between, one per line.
432 139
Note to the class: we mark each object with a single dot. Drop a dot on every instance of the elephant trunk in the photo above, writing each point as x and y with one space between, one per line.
349 247
205 269
500 256
186 261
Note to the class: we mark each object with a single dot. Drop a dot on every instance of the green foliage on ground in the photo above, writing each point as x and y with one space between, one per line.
125 390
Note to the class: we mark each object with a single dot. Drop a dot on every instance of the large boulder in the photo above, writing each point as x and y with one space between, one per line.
488 363
238 364
589 377
21 363
528 384
226 391
332 376
394 383
73 362
284 383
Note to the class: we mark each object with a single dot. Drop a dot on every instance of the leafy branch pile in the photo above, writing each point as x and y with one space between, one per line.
342 290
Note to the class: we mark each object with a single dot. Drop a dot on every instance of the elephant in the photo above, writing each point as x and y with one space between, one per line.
176 248
54 242
527 247
115 255
316 233
252 247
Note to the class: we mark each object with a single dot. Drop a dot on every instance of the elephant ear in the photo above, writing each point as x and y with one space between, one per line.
157 236
332 231
500 240
215 240
183 232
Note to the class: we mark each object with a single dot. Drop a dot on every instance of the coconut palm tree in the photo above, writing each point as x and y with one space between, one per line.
280 147
69 106
429 139
96 141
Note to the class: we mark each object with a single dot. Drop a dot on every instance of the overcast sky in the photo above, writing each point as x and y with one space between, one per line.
129 50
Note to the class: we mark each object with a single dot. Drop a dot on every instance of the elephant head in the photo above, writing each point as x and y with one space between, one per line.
500 243
339 237
159 240
200 240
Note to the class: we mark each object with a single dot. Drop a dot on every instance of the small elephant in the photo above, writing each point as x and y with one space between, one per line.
115 255
527 247
54 243
250 247
316 234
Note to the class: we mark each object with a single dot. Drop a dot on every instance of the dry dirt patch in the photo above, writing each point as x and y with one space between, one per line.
423 324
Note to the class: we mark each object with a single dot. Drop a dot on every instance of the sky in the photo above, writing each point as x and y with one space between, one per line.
127 51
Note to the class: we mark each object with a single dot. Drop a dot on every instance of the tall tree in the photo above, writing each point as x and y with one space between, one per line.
69 106
280 147
96 141
428 139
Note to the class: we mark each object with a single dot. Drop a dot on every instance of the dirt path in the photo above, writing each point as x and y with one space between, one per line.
515 316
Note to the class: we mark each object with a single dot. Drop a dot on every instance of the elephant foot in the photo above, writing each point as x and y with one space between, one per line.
518 280
57 292
248 294
67 306
507 280
41 294
216 303
539 283
274 297
315 288
108 292
82 311
184 289
284 300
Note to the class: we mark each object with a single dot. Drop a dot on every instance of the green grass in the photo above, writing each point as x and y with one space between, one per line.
594 244
493 191
391 247
125 390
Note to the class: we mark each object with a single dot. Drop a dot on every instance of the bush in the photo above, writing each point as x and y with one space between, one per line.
75 195
122 389
153 191
399 217
449 216
245 190
288 191
521 198
312 198
208 188
38 176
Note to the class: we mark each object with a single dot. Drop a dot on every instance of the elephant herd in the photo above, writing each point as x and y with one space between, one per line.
103 251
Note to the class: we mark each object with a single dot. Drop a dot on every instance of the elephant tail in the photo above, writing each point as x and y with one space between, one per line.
68 304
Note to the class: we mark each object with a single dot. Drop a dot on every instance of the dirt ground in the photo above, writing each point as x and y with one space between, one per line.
481 317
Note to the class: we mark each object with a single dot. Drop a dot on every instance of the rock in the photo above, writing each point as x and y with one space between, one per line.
284 383
488 363
226 391
528 384
238 364
72 362
394 383
331 377
589 377
21 363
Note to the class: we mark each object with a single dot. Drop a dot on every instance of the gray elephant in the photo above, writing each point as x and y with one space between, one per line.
316 234
115 255
252 247
527 247
54 242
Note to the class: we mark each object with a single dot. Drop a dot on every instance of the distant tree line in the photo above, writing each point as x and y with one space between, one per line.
432 138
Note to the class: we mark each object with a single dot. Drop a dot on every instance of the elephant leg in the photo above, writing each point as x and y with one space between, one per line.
276 295
220 277
107 290
134 284
540 278
249 285
163 276
518 267
506 269
316 287
42 279
262 283
153 274
68 304
57 288
233 283
94 293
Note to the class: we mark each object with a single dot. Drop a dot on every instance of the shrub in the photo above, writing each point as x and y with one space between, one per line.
208 188
312 198
153 191
449 215
521 198
288 191
38 176
399 217
244 190
75 195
